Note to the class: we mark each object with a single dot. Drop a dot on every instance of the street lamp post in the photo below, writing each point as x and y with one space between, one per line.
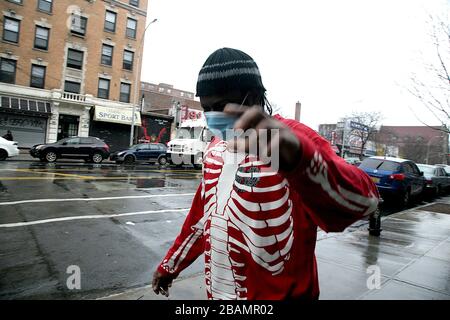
137 84
428 146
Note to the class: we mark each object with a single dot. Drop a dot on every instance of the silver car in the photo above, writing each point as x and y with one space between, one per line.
437 180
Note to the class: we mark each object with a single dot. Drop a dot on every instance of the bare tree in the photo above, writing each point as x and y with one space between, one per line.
432 88
370 122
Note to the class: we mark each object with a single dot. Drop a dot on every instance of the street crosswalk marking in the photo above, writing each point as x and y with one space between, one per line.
96 199
98 216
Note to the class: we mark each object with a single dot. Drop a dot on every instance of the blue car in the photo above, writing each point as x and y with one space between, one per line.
397 179
144 152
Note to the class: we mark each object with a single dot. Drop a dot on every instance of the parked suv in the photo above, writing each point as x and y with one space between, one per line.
148 152
396 179
90 149
8 149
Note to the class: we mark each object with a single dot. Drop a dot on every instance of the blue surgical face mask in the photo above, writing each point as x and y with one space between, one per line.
220 123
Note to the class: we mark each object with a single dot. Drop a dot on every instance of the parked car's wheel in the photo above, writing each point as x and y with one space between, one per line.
129 159
405 199
50 156
97 157
162 160
3 155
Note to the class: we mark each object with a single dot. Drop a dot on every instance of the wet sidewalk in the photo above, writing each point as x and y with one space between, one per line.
412 253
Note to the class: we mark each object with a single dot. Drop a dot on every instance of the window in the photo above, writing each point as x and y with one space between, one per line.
45 5
103 88
37 76
7 70
379 164
134 3
128 57
71 86
125 89
131 28
79 25
407 168
16 1
73 140
41 38
11 30
110 21
75 59
107 53
88 140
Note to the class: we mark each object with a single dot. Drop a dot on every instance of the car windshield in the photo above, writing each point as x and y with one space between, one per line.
188 133
425 169
380 164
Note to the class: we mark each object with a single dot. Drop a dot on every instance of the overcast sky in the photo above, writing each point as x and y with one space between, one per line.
332 56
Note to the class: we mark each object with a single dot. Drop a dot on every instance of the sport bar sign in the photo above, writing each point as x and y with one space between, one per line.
116 115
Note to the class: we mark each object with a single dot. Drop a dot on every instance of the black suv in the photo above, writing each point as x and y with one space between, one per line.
91 149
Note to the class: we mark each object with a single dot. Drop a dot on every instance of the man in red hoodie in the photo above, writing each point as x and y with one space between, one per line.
257 226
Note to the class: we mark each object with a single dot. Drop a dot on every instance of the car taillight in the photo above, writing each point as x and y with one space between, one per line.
106 147
429 181
397 176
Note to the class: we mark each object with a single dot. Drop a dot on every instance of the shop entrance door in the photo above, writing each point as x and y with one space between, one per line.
68 126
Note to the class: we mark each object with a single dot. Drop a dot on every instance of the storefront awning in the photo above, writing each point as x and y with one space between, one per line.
25 105
116 115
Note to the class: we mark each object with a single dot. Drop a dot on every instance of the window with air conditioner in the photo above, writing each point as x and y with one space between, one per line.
79 25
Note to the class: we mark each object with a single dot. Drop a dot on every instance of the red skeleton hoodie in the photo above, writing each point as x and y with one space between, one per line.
257 228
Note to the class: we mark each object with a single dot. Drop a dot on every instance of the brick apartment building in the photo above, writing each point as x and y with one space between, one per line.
68 68
422 144
164 108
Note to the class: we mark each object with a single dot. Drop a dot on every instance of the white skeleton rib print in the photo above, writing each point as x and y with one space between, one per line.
235 223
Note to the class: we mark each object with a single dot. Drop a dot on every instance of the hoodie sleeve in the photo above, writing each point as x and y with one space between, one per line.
190 242
334 193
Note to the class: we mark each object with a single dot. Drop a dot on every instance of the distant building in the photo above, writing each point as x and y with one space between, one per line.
164 108
334 133
421 144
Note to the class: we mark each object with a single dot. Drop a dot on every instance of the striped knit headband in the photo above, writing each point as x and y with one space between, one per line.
227 70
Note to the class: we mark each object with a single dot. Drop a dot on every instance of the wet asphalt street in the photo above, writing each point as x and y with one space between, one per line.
114 222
